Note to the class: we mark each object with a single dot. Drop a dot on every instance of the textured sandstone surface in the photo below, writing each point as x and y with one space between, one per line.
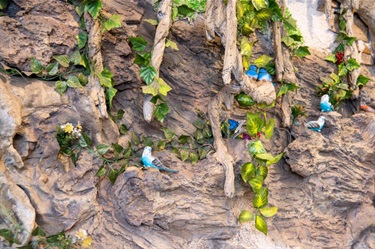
324 188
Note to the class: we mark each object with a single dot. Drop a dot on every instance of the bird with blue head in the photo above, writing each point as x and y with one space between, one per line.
316 125
149 161
252 72
325 105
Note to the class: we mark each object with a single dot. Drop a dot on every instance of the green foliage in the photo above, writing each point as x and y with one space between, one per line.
93 7
297 111
187 8
111 23
3 4
285 87
245 216
244 100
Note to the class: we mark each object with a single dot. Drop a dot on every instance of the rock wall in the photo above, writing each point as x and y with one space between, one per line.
324 187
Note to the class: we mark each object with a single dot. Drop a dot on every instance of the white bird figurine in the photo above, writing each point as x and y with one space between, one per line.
150 161
325 105
316 125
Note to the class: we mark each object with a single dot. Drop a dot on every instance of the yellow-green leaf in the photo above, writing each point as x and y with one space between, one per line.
247 171
171 44
262 61
268 211
245 216
254 124
256 147
164 88
261 198
62 59
260 4
152 21
36 66
113 22
81 39
256 183
93 7
269 128
276 159
261 224
246 47
262 171
150 89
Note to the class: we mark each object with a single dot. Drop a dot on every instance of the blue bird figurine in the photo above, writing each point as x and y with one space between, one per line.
233 124
150 161
325 105
252 72
316 125
264 75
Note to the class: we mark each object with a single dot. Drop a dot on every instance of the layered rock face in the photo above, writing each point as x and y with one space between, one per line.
324 187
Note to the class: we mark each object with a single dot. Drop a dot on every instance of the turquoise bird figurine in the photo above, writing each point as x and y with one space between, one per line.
264 75
325 105
233 124
252 72
150 161
316 125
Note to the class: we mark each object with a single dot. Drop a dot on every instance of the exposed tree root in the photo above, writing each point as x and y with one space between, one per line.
165 22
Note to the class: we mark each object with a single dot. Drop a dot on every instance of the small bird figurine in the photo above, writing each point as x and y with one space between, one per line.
150 161
316 125
264 75
252 72
233 124
368 108
325 105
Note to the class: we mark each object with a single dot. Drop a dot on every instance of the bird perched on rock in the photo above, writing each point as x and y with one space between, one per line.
150 161
316 125
264 75
325 105
252 72
233 124
368 108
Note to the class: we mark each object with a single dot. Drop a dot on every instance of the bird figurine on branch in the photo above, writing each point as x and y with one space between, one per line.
252 72
325 105
316 125
150 161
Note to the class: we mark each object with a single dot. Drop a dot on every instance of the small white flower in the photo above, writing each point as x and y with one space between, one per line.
81 234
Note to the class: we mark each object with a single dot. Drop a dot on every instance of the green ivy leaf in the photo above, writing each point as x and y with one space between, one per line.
52 68
262 171
245 216
342 23
268 211
79 10
254 124
148 73
110 93
142 59
168 134
269 128
332 58
246 47
350 40
302 51
171 44
82 79
61 86
63 60
184 155
256 147
112 23
105 78
150 89
102 148
362 80
75 57
244 100
164 88
36 66
262 61
84 140
161 111
260 4
81 39
288 41
261 224
256 183
93 7
247 171
261 198
193 157
287 87
342 70
113 174
152 21
335 77
138 43
118 148
352 64
101 172
123 129
73 82
184 10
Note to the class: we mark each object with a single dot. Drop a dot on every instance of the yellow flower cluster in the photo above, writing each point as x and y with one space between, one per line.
85 240
70 129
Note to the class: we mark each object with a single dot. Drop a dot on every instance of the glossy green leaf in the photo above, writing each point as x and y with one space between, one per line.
168 134
332 58
102 148
256 183
85 140
112 176
350 40
262 61
335 77
161 111
268 211
285 87
63 60
362 80
138 43
275 159
184 155
105 78
245 216
73 82
36 66
261 224
82 79
3 4
244 100
269 128
93 7
52 68
352 64
260 4
148 73
302 51
61 86
288 41
81 39
262 171
247 171
254 124
118 148
245 62
246 47
112 23
75 57
123 129
256 147
193 157
101 172
152 21
342 70
171 44
142 59
264 14
110 93
183 139
261 198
